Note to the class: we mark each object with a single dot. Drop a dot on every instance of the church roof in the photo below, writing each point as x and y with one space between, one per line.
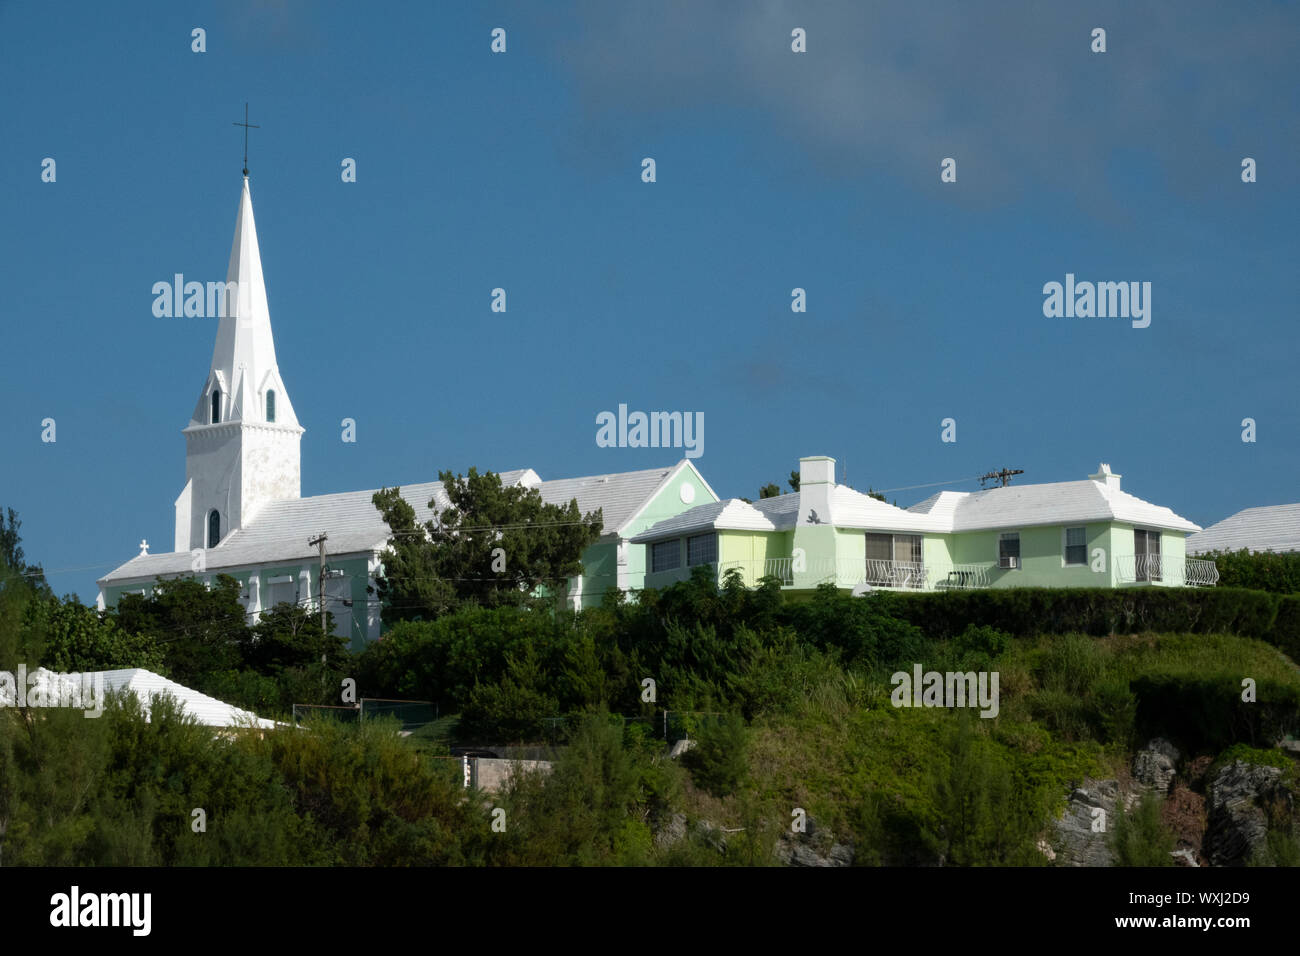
281 530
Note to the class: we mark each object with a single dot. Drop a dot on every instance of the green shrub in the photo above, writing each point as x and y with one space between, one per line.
1114 711
1140 838
719 760
1259 570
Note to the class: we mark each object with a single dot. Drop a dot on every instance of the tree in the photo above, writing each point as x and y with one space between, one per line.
769 490
12 557
290 636
794 480
77 638
494 546
200 629
20 584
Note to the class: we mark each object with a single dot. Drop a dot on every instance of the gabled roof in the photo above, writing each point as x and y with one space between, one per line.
851 509
146 685
1053 503
1064 502
1266 528
281 530
732 514
208 711
620 495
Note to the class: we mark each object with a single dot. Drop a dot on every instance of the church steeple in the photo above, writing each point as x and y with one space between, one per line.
244 367
242 442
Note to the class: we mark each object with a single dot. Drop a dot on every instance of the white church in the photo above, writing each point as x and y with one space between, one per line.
241 512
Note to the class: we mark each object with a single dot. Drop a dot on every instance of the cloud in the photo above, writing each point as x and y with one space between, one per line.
1013 92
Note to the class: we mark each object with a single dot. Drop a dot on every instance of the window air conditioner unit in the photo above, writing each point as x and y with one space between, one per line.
1008 562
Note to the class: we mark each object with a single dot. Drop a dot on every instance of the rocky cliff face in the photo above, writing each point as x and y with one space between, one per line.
1243 800
1227 826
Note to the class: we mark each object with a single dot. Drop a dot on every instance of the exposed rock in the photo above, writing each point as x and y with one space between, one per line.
673 831
1240 794
814 847
1154 766
681 747
1074 841
712 835
1184 857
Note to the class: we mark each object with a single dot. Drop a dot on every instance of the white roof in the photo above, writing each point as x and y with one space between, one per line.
732 514
1054 503
851 509
146 685
1267 528
281 530
1063 502
620 495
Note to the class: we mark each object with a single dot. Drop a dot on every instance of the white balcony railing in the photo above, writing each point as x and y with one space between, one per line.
754 570
963 576
1165 569
896 574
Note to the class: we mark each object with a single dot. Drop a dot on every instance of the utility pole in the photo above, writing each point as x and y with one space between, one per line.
1003 477
320 540
320 596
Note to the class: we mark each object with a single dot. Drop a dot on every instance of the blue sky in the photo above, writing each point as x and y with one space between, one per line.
775 170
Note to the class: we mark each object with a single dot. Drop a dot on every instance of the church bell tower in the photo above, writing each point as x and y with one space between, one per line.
242 443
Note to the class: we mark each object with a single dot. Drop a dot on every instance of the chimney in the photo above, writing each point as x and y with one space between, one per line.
1106 477
816 481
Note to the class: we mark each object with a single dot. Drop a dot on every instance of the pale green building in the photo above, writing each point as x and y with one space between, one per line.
1086 533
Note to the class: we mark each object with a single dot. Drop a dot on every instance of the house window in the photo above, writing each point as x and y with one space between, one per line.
894 560
214 528
665 555
1009 549
216 405
880 547
1146 551
701 549
1076 546
270 405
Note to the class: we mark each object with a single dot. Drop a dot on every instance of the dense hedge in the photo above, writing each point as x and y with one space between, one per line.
1024 612
1261 570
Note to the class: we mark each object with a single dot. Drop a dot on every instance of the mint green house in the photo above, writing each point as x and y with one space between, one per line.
1064 534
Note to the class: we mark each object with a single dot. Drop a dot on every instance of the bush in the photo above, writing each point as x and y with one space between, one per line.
1027 612
1141 838
1259 570
719 760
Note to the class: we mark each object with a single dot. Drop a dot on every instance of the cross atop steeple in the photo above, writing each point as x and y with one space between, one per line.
247 126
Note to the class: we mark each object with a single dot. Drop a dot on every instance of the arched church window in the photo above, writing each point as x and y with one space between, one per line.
270 405
216 405
214 528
